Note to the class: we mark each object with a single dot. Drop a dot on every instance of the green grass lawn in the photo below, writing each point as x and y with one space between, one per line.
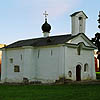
50 92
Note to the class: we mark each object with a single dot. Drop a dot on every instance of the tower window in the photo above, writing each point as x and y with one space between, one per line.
80 18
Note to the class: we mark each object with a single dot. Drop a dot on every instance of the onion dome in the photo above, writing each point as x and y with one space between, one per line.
46 27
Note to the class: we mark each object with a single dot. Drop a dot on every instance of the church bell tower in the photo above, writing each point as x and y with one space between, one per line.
78 20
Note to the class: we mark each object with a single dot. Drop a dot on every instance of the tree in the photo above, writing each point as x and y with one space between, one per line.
96 41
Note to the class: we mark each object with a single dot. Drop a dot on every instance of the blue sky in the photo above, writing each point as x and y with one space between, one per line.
22 19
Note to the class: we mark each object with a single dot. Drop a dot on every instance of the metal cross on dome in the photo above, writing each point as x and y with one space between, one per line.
45 15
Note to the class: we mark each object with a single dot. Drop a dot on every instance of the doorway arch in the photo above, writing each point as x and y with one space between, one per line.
78 73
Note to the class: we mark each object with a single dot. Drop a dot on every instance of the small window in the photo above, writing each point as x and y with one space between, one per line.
16 68
80 18
21 56
11 60
86 67
38 53
70 74
51 52
79 48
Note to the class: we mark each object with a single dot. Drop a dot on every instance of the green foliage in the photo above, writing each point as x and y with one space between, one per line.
50 92
98 75
97 72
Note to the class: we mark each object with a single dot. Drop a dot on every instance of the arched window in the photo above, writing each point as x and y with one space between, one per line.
86 67
70 74
80 24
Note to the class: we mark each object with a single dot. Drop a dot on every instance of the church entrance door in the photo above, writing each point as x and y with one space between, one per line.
78 73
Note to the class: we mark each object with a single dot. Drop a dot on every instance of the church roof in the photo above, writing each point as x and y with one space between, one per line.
44 41
77 13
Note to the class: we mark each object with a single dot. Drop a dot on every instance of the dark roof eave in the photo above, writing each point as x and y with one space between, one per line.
76 45
53 40
77 13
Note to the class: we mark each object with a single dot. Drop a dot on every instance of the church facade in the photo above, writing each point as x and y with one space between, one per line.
50 58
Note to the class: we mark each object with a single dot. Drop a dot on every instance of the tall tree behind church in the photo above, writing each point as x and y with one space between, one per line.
96 40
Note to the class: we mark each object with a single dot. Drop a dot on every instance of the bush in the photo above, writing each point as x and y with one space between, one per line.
98 75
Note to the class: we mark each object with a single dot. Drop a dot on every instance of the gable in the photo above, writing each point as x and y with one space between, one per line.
79 13
81 38
78 40
82 15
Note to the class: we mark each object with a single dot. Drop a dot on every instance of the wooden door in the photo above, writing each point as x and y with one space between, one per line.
78 73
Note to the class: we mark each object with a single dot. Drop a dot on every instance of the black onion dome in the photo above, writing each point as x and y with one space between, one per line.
46 27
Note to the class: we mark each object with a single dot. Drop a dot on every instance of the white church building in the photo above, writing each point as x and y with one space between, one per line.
50 58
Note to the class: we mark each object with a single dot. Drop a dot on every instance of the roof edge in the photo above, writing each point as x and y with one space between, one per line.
77 13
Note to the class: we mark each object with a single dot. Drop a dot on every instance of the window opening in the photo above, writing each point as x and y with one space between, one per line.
16 68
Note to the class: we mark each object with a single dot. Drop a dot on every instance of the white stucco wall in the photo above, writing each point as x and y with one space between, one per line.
4 66
46 64
14 54
49 63
24 57
29 63
73 59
